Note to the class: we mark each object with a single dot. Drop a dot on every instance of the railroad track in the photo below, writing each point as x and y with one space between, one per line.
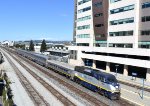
34 95
83 94
58 95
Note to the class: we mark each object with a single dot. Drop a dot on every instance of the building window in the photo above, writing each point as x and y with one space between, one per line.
83 1
83 27
144 44
82 44
121 33
84 18
83 36
146 5
113 1
122 9
84 9
99 4
145 18
121 45
145 32
99 25
122 21
98 15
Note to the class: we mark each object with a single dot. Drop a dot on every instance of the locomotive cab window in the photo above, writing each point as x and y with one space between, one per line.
112 80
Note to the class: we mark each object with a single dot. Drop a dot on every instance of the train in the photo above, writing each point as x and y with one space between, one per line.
93 79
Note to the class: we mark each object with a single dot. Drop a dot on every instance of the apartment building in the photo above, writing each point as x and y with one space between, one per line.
113 35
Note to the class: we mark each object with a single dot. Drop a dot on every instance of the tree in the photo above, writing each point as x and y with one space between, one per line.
43 46
31 47
21 46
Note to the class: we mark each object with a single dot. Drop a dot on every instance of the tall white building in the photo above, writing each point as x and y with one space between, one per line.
118 40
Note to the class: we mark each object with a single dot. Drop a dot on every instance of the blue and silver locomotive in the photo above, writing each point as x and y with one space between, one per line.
98 81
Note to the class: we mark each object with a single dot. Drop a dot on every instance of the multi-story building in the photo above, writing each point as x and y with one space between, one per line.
113 35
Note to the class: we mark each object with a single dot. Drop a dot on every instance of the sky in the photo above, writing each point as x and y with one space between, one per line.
36 19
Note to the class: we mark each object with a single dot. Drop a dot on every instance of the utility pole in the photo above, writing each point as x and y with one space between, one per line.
143 89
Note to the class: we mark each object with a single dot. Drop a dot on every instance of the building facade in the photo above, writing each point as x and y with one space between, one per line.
90 24
128 24
113 35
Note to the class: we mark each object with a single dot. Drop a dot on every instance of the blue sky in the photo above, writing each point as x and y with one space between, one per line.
36 19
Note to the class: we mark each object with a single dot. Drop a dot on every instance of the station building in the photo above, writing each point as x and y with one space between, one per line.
112 35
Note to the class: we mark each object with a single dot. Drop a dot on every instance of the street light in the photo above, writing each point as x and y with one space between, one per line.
116 68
